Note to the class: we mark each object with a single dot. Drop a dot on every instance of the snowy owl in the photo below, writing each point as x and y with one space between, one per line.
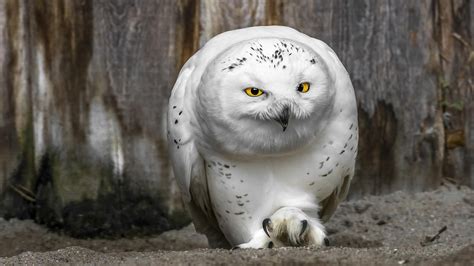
262 130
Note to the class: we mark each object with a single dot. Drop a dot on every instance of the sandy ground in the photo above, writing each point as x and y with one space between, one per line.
390 230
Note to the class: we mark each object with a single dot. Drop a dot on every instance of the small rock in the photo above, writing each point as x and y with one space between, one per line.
348 223
469 201
361 208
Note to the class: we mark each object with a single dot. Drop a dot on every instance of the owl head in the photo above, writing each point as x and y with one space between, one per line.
266 97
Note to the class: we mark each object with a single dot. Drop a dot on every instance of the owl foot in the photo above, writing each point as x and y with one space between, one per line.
292 227
259 240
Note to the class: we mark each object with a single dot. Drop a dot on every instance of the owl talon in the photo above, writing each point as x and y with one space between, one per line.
292 227
304 225
266 225
326 241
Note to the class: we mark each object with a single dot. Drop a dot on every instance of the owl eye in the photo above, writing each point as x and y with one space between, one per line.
303 87
253 92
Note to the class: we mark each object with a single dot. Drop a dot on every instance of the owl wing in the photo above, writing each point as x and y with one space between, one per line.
188 164
341 78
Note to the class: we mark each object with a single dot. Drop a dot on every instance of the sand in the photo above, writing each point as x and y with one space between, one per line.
393 229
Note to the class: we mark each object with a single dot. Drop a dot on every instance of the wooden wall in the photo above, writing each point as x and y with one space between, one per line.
84 86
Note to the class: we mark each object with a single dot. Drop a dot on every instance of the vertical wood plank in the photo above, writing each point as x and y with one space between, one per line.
100 74
16 145
150 36
5 114
219 16
456 83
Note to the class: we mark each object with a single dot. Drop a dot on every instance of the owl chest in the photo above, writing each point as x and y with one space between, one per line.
316 171
243 193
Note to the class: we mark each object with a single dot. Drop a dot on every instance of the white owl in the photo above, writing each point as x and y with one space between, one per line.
262 129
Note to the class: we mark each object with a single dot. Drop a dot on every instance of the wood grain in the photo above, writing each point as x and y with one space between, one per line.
219 16
456 84
17 164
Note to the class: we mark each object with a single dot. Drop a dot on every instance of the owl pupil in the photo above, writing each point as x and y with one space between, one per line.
300 88
254 91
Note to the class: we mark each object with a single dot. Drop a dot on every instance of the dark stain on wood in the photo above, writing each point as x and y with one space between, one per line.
16 143
273 12
114 213
63 31
378 136
453 27
187 35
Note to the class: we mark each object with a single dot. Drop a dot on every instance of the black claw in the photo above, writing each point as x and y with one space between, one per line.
265 224
270 244
326 241
304 224
234 248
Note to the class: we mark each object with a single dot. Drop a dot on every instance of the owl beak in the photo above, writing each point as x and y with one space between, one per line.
283 118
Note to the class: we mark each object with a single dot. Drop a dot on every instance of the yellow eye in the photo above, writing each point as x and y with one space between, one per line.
303 87
253 92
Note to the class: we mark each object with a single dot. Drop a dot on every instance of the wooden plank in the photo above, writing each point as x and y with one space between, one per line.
456 74
16 146
100 75
219 16
5 114
149 36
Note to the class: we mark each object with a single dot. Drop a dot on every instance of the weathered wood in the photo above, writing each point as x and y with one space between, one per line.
84 86
470 103
219 16
5 102
16 132
101 74
456 83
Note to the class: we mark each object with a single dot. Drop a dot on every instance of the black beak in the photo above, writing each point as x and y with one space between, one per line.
283 118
